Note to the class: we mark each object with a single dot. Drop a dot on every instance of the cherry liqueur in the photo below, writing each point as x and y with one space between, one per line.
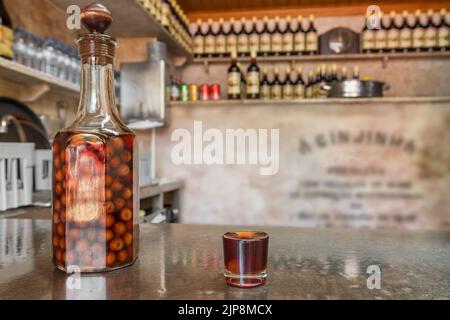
299 37
312 40
276 39
253 38
264 38
265 85
242 40
231 35
95 180
288 38
405 33
234 79
418 33
253 78
210 40
199 40
393 34
430 35
443 28
221 40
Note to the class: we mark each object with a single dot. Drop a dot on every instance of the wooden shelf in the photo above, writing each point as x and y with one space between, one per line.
40 82
130 20
383 57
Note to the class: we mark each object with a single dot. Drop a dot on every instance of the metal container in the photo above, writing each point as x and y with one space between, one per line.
355 89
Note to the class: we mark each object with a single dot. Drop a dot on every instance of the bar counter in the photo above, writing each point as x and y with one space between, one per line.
179 261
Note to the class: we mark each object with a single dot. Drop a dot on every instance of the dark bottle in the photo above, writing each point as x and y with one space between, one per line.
232 35
6 33
264 38
355 73
430 36
253 78
288 38
381 36
405 37
418 33
443 28
276 39
312 40
275 86
368 38
199 41
210 39
393 34
234 79
309 86
221 40
299 37
334 74
253 38
299 87
265 86
322 81
288 85
243 35
343 76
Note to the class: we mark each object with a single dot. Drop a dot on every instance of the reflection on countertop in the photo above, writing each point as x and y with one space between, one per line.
185 262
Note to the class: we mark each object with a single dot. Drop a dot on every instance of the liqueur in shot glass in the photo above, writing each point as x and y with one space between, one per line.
245 257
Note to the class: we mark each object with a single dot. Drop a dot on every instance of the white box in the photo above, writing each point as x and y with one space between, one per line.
43 170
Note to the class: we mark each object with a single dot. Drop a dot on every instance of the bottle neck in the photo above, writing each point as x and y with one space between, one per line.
97 107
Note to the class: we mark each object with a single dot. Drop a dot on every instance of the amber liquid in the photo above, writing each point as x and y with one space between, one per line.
94 220
245 257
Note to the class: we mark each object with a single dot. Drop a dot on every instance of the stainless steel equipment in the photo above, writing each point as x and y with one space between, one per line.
355 89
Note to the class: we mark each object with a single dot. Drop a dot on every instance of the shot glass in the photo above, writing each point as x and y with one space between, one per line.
245 257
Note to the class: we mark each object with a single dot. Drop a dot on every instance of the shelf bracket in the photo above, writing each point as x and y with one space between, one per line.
32 92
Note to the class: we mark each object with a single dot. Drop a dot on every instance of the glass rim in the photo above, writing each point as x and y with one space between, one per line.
231 235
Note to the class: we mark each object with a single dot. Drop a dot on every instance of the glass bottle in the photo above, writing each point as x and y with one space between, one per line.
95 187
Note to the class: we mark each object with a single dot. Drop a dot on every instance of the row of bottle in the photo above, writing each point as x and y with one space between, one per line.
265 37
281 85
170 15
425 33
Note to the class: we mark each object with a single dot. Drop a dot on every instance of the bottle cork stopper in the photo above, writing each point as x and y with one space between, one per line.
96 17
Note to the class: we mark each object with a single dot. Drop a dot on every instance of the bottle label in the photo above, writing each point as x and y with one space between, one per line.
243 43
311 41
209 44
264 42
443 37
299 91
393 39
234 83
265 91
288 92
299 42
221 42
199 45
380 39
368 40
6 41
277 42
418 36
253 43
276 91
430 37
405 38
231 43
253 82
288 42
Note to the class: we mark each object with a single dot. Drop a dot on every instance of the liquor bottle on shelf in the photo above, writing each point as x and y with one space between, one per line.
343 76
210 38
443 27
276 39
430 35
288 38
406 32
393 34
243 81
6 33
299 87
264 38
234 79
95 211
199 40
381 36
334 74
253 78
221 40
310 85
322 81
418 33
355 73
231 37
312 40
253 38
299 37
275 86
243 36
265 85
288 85
367 39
